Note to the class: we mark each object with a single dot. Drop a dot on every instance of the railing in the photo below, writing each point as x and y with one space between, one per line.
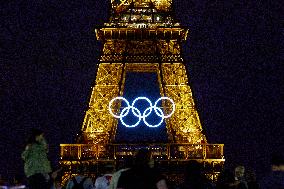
175 32
183 151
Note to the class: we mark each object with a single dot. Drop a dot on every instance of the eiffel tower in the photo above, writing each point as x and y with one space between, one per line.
142 37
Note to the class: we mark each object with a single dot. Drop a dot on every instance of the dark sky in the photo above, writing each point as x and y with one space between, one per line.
49 53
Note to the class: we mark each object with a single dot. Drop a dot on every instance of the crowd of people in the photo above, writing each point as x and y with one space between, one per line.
137 173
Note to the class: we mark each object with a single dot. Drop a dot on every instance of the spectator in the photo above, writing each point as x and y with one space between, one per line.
251 179
56 179
275 180
103 182
239 175
141 175
193 177
225 180
80 179
36 164
128 162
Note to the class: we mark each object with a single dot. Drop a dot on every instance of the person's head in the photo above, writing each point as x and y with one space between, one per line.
143 157
36 136
250 175
277 161
226 177
193 169
128 161
108 169
239 172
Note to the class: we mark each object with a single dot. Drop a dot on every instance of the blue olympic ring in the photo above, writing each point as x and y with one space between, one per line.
136 112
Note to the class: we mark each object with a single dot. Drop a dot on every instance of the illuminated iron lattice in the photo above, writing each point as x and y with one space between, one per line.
184 125
142 36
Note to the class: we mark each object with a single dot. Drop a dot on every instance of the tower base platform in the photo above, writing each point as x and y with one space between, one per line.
170 159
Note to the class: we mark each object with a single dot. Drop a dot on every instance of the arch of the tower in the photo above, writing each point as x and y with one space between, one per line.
184 125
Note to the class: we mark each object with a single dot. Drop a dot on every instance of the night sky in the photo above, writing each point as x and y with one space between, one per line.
49 55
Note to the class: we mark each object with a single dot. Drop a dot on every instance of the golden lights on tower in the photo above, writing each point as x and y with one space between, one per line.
142 36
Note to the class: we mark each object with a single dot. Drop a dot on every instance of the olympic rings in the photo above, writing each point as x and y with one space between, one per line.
136 112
